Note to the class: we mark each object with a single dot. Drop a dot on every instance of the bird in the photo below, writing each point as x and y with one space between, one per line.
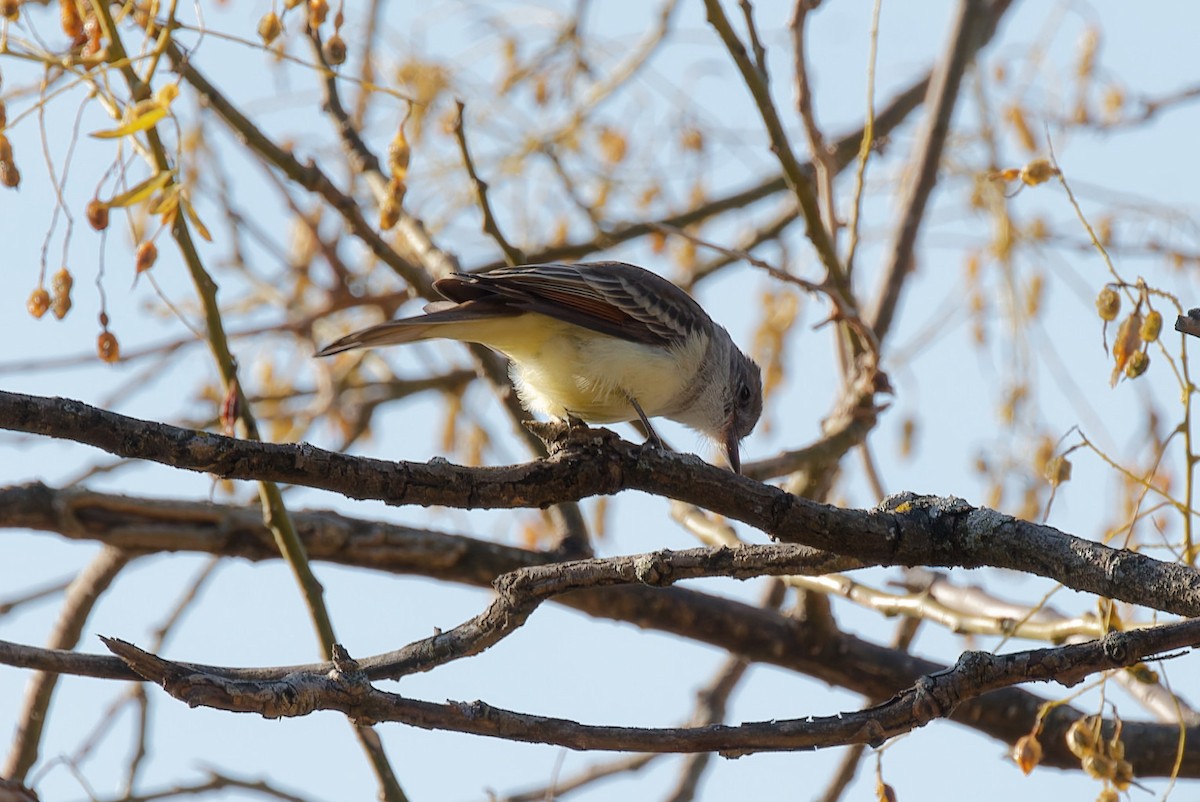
595 342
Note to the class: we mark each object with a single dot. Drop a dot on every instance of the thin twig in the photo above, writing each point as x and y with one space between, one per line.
513 255
968 34
794 174
81 598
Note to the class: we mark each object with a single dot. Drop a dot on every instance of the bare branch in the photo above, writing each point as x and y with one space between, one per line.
347 689
81 597
512 255
904 530
971 30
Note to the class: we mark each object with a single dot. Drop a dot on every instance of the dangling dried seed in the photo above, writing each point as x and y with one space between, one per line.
97 214
145 257
107 347
38 303
269 27
335 50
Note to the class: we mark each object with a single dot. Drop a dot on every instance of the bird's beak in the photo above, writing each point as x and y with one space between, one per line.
731 447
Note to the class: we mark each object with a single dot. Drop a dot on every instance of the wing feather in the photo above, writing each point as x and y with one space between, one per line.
610 297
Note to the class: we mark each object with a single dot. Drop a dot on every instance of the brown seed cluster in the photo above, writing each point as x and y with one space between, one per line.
60 290
10 176
399 155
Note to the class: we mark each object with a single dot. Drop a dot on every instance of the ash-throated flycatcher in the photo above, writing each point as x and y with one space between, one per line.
599 342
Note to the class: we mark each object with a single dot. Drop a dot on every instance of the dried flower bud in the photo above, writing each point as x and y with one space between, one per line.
1037 172
290 4
72 24
145 256
1137 364
389 213
399 154
60 289
1098 766
397 189
10 176
269 27
1151 327
1058 471
60 305
10 9
97 214
94 46
62 282
318 10
613 145
335 50
1108 304
1082 738
1027 753
1108 795
1126 344
1123 775
38 303
107 347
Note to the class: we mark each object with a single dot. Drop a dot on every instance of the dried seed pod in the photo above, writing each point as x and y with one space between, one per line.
72 23
1123 776
269 27
1082 738
38 303
389 213
1098 766
60 289
1137 363
613 145
397 189
92 32
335 50
61 282
1027 753
692 139
399 154
1037 172
1126 344
107 347
1021 129
1108 304
145 257
10 176
97 214
10 9
1151 327
1058 471
318 10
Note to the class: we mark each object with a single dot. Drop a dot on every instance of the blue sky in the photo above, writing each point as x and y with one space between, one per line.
563 663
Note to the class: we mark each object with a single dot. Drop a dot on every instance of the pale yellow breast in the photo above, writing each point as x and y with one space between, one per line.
562 370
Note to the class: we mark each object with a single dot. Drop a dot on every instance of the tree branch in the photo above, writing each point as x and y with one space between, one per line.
905 530
347 689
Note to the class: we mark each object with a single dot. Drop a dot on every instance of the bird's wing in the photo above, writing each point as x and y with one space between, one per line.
610 297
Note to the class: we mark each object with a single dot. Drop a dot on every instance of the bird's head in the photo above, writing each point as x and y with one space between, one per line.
743 405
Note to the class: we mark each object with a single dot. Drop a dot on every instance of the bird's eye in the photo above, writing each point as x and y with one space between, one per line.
744 395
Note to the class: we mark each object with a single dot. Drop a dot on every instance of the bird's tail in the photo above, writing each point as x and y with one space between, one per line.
393 332
441 319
